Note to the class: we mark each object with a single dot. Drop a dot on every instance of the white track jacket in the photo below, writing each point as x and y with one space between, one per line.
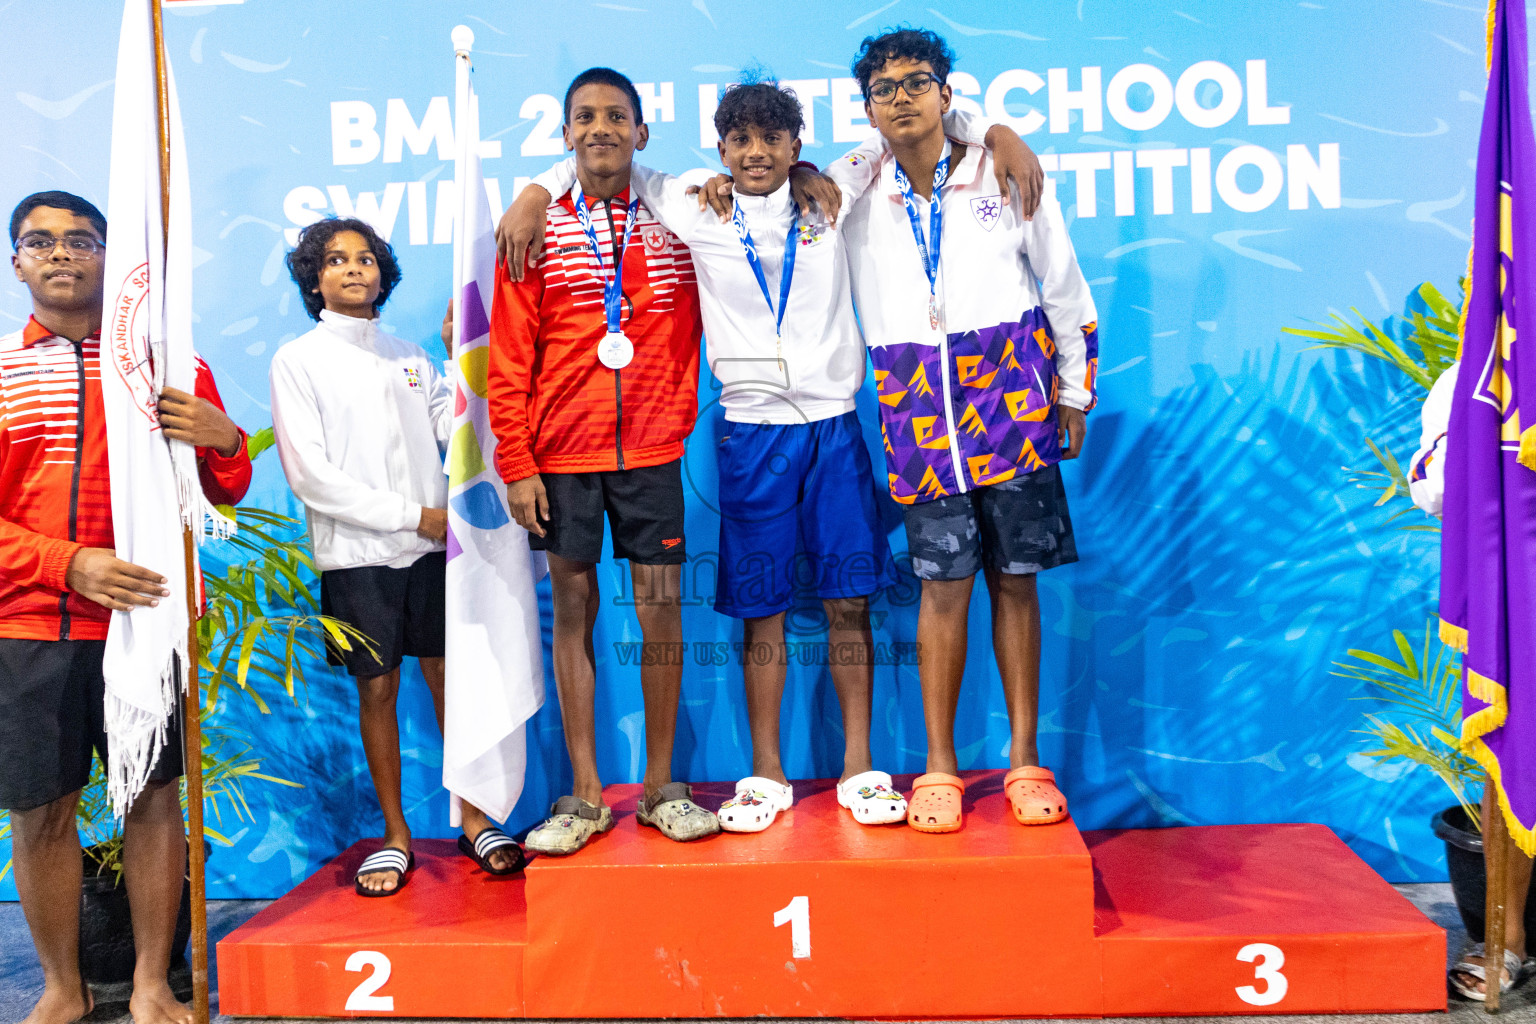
362 419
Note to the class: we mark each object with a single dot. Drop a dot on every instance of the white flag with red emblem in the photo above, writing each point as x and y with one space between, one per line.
146 345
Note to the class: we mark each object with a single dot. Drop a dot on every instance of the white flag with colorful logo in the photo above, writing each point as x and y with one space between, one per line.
147 345
495 671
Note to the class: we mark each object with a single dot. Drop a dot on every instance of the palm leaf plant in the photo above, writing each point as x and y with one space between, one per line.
261 624
1419 688
1423 688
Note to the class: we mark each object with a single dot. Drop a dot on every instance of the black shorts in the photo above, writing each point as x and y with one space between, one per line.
51 719
1017 527
644 507
399 610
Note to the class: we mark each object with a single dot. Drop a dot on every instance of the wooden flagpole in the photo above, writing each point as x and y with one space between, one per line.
192 724
1496 859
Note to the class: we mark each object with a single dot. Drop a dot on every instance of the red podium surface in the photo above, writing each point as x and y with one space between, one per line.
894 921
822 916
450 944
1255 919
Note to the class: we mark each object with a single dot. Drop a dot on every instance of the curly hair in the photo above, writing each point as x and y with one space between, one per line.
761 104
915 44
307 258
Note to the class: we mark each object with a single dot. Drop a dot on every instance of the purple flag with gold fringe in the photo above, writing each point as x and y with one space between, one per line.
1488 547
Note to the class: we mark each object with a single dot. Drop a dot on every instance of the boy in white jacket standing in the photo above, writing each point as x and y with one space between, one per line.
984 342
361 419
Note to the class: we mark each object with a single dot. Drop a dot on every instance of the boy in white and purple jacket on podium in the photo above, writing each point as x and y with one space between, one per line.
984 343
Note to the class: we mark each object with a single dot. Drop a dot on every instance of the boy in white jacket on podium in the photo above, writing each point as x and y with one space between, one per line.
361 420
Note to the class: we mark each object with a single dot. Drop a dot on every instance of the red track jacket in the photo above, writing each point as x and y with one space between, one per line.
555 408
55 494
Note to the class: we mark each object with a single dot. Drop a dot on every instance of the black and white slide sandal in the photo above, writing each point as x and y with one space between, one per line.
488 842
387 859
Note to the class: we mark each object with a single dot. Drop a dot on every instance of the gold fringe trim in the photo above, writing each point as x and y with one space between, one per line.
1493 11
1490 692
1466 300
1527 455
1525 838
1453 635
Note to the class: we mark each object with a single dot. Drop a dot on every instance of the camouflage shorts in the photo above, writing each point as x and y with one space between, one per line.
1018 527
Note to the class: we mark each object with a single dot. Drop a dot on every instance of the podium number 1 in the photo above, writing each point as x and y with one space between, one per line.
1270 960
362 997
798 915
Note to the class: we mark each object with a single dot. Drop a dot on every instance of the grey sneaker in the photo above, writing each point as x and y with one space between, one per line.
673 812
571 824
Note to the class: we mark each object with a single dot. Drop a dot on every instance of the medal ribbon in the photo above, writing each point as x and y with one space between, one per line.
739 221
613 289
928 249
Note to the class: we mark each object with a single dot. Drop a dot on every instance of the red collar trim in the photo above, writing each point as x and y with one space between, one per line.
35 332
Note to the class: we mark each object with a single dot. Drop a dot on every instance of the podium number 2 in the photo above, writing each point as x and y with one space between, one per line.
362 997
1270 960
798 915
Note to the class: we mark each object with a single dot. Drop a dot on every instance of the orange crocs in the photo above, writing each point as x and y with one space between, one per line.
935 803
1033 794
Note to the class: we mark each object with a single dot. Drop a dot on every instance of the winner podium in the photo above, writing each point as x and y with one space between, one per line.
821 916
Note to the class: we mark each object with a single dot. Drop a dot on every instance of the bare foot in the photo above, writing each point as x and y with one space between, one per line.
61 1006
156 1004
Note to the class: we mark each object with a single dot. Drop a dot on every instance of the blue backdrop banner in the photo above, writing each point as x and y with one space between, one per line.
1226 170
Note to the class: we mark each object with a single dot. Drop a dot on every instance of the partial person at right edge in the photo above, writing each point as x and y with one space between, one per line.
361 419
1426 485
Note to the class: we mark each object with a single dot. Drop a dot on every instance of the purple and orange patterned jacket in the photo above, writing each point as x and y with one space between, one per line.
971 401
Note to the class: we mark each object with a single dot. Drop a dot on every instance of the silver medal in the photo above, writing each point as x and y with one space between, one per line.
615 351
933 312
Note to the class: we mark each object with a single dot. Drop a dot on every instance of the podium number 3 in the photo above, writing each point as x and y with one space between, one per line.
362 997
798 915
1270 960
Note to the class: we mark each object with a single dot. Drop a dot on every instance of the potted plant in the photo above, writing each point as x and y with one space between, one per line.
1421 690
260 624
1420 725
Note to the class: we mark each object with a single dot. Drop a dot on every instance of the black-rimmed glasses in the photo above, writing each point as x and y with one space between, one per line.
916 84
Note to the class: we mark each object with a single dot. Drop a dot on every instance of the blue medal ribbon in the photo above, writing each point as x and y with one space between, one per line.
739 221
613 288
928 248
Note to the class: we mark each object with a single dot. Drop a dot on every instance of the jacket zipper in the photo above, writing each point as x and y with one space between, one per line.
74 484
944 378
618 389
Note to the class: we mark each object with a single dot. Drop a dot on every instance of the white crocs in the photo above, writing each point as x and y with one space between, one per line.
756 805
872 798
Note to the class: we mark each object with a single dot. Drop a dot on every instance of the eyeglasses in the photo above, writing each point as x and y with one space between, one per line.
917 83
41 247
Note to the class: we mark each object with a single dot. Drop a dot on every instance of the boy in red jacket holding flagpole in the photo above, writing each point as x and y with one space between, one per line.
59 582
